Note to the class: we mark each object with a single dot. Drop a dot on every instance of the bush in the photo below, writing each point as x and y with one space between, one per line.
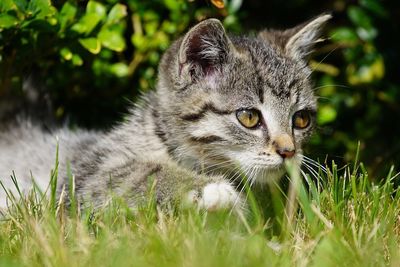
357 86
90 57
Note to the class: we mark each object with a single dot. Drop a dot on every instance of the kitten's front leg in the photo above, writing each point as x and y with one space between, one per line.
172 185
207 192
215 195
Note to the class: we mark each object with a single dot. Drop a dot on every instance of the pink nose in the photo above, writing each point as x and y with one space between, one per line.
286 153
284 146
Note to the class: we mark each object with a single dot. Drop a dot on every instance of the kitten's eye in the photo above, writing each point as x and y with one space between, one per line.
249 118
301 119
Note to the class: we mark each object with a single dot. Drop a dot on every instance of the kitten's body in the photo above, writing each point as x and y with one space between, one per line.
186 135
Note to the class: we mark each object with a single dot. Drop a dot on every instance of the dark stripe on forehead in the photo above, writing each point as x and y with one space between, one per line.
260 87
260 80
208 107
207 139
282 93
297 96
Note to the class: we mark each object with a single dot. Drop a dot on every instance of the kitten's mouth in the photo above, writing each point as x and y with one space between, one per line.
266 167
265 174
275 164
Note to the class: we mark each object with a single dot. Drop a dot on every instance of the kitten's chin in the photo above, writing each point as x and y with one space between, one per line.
268 175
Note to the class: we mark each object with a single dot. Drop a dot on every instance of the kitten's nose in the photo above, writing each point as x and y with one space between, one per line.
285 153
284 146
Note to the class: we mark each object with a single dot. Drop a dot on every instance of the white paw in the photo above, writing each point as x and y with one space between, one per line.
216 196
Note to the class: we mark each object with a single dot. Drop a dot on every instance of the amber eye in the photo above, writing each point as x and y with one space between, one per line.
301 119
249 118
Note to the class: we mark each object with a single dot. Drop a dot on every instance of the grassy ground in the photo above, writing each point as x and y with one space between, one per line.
342 220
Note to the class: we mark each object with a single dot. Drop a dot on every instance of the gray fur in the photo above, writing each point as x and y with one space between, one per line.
184 135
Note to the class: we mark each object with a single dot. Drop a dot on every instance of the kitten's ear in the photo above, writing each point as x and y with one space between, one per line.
299 41
204 49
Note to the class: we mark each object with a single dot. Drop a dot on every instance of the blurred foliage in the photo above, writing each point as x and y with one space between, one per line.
359 85
91 57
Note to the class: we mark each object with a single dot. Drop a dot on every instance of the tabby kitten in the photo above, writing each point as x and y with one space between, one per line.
224 106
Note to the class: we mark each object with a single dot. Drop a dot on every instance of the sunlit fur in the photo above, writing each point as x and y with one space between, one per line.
186 135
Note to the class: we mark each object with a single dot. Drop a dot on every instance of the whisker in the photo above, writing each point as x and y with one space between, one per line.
307 175
248 173
318 168
315 175
331 85
216 167
241 190
243 180
314 163
313 172
322 60
253 179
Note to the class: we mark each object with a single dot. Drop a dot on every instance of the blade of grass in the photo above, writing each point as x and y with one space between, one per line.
294 188
53 183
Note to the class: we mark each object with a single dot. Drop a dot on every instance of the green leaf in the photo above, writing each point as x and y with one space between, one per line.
139 41
41 8
116 13
374 6
358 16
77 60
168 27
66 53
172 4
151 27
87 23
94 7
21 4
7 21
67 14
234 6
344 35
365 28
95 12
324 67
366 73
112 39
367 34
91 44
326 114
6 5
119 69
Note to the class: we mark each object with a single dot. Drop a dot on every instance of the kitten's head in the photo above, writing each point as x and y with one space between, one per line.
239 101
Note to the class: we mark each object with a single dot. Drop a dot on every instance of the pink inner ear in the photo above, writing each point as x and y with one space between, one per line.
197 58
208 67
197 53
211 79
203 51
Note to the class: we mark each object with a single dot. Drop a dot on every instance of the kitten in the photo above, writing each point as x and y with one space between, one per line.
224 106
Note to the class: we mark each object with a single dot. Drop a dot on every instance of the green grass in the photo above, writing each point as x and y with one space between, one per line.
344 220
